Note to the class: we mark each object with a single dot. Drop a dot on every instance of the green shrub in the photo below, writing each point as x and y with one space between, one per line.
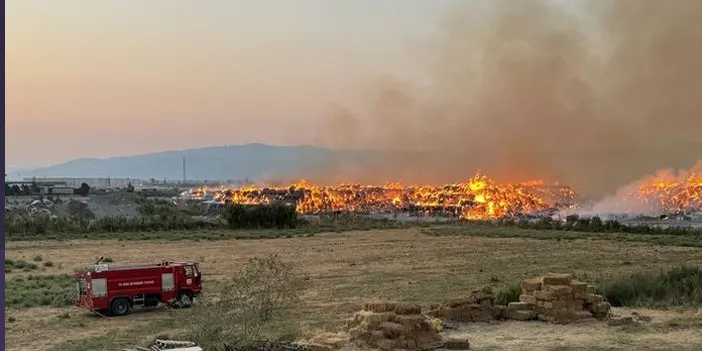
509 293
44 290
23 265
679 286
261 216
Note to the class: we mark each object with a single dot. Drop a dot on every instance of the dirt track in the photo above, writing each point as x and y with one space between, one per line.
345 269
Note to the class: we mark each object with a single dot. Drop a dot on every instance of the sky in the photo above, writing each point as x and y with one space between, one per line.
121 77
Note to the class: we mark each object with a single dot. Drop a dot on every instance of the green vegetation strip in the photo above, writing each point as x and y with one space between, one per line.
678 286
39 290
690 239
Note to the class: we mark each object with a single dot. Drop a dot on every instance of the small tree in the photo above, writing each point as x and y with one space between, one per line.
264 290
84 189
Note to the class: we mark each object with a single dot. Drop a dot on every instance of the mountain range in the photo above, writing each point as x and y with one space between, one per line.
236 162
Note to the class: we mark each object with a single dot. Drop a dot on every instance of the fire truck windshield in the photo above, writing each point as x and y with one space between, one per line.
189 271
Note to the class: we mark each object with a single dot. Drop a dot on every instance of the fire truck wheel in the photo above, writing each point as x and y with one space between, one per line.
185 301
120 307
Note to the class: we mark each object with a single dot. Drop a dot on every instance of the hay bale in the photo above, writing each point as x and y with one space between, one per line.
456 344
487 289
553 305
544 295
532 284
619 321
521 315
410 321
600 310
519 306
594 299
453 303
578 287
556 279
408 309
392 330
560 290
379 306
530 299
581 316
377 318
482 294
469 313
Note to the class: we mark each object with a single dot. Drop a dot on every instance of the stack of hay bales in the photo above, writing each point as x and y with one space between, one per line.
557 298
479 306
389 326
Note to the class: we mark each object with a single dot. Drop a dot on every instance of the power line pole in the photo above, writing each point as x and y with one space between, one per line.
184 175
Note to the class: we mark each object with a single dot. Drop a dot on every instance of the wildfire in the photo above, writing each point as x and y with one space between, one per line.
670 196
477 198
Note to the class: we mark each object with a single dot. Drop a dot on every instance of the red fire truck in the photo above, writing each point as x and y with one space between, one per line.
118 289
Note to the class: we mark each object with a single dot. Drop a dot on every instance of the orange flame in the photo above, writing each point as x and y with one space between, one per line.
477 198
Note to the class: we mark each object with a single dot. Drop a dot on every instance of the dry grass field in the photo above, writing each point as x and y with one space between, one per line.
348 268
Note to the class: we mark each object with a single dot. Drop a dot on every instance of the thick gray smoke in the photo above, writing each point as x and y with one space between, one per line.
595 95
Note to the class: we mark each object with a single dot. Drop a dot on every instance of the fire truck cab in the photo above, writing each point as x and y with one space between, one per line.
119 289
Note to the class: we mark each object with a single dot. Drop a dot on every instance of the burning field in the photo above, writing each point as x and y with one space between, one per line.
478 198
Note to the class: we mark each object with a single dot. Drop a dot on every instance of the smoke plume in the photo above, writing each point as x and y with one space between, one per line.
595 96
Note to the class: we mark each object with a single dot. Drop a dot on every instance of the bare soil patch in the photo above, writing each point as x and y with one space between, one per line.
349 268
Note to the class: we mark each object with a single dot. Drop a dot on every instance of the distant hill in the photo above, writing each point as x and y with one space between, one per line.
252 161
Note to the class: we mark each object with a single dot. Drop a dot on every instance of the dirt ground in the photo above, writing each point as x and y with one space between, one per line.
346 269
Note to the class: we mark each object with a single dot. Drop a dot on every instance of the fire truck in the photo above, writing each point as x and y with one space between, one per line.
118 289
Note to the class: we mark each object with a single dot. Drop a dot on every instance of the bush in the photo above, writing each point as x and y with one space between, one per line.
679 286
261 216
34 291
20 265
508 294
594 225
252 300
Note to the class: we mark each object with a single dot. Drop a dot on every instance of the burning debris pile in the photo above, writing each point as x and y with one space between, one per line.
671 196
477 198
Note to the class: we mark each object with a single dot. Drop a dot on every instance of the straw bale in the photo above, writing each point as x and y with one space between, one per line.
379 306
530 299
482 296
578 287
559 290
581 315
544 295
392 330
553 305
453 303
594 298
408 309
615 322
377 318
531 284
556 279
456 344
600 309
469 313
519 306
410 321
